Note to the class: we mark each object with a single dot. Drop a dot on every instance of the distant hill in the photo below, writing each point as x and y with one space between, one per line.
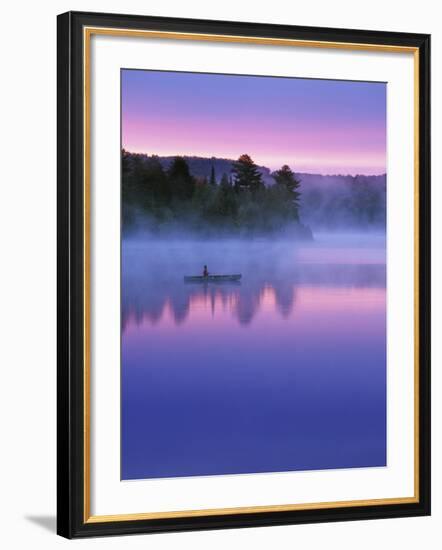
202 166
327 201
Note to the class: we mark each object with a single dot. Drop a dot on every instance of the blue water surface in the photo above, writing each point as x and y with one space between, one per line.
284 371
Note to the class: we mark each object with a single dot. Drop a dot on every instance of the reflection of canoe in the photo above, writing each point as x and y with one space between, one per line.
211 278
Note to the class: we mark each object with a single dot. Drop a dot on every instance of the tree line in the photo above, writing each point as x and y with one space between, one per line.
160 198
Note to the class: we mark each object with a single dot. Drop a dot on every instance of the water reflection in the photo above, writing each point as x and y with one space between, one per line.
147 300
284 371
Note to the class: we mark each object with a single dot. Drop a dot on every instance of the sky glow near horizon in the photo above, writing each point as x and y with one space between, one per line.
316 126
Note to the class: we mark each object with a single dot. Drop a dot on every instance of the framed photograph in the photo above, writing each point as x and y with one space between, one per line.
243 274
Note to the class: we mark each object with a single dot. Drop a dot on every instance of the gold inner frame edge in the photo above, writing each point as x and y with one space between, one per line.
134 33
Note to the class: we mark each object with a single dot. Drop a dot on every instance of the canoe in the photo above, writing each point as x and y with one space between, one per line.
211 278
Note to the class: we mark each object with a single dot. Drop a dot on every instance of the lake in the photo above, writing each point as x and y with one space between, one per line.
283 371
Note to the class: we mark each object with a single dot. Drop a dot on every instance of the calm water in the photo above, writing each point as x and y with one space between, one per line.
284 371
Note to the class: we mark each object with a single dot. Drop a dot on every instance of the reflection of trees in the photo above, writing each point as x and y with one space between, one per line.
247 306
243 301
147 300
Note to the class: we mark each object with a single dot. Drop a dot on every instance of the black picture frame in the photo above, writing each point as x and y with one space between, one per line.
72 521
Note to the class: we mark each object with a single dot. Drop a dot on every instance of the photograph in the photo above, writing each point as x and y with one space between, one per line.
243 267
253 274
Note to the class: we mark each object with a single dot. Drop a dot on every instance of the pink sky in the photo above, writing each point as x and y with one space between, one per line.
319 126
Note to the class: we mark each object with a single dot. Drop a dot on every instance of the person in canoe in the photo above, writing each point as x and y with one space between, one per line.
205 272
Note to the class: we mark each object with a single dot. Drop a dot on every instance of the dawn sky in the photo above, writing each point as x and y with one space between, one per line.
317 126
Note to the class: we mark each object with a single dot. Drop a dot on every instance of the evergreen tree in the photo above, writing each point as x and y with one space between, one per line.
160 200
125 162
226 200
246 174
212 176
156 179
286 179
181 181
202 195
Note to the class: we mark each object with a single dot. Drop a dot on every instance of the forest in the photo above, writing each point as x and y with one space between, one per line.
163 199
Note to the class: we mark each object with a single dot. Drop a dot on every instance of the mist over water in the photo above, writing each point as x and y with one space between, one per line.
153 271
285 370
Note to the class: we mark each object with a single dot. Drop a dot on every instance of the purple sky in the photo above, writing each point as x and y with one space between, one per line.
318 126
